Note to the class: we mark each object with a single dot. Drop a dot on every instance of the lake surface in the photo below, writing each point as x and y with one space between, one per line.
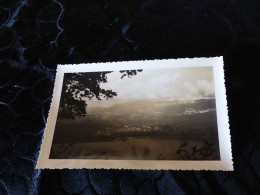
139 149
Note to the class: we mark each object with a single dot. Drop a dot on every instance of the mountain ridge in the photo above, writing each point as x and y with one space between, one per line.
148 106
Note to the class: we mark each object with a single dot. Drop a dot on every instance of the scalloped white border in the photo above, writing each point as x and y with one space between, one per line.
225 163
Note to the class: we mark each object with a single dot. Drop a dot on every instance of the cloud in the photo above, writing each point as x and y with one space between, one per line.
197 90
145 85
162 84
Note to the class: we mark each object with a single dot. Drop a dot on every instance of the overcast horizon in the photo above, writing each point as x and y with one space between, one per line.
184 84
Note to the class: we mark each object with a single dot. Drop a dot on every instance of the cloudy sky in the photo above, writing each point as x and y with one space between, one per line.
160 84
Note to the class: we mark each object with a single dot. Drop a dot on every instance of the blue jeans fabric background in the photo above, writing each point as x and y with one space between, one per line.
36 35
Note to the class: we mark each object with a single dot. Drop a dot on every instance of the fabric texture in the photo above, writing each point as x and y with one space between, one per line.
36 35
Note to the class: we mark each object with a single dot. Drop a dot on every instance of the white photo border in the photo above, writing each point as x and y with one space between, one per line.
225 163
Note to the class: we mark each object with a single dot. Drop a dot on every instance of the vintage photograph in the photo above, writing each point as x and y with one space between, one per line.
146 114
152 114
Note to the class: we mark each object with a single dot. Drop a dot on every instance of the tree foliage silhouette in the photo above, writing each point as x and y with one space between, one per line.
77 87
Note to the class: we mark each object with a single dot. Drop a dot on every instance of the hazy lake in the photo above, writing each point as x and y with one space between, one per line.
139 149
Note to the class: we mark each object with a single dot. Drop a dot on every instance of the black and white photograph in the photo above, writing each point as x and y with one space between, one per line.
141 114
165 114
